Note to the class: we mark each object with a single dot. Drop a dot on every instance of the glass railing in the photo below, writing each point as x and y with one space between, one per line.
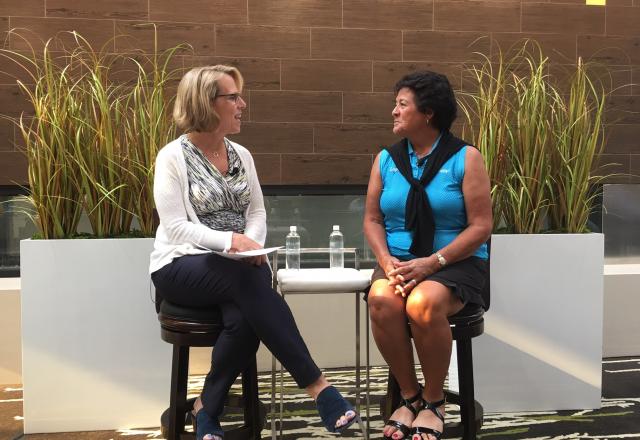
15 224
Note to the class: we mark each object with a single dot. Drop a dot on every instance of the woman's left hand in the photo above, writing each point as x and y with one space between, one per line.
258 260
412 272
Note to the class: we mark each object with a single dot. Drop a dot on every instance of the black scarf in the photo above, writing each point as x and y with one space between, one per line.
419 216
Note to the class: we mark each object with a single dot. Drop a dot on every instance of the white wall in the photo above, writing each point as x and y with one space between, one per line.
10 350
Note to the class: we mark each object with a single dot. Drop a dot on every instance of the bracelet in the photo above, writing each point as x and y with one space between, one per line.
441 260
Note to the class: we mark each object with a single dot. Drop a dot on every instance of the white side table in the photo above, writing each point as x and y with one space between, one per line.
314 281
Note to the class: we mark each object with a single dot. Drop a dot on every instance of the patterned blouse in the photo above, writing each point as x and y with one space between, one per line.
218 201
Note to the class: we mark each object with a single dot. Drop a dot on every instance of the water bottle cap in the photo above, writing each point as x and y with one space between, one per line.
293 228
336 227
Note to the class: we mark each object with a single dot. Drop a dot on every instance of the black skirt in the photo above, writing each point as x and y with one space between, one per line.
467 279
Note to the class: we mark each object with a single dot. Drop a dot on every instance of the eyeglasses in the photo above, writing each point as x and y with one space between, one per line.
235 97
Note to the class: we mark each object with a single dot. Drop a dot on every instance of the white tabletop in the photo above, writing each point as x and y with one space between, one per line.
323 280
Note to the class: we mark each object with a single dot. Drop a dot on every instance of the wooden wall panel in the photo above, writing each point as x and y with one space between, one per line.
319 73
322 169
563 18
140 35
388 14
614 50
326 75
269 137
622 138
14 168
356 44
209 11
623 21
484 16
386 74
558 47
269 168
99 33
262 41
296 106
352 138
18 8
258 73
120 9
325 13
6 135
444 46
368 107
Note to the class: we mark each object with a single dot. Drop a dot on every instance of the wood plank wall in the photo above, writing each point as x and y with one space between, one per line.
319 72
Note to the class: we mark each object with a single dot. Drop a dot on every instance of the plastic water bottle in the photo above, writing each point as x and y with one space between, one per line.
336 248
292 244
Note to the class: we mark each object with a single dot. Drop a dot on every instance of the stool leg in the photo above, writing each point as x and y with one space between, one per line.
467 397
179 376
251 400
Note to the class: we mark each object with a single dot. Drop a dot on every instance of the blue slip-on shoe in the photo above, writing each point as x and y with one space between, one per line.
331 406
204 425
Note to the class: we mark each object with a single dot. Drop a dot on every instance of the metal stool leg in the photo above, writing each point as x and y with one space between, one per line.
179 373
251 400
467 398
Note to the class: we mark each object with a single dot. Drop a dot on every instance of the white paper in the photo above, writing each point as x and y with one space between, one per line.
245 254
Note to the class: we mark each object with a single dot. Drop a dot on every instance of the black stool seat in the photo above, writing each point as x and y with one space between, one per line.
465 325
195 327
186 327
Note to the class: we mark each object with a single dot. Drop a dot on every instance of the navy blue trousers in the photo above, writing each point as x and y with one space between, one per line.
252 312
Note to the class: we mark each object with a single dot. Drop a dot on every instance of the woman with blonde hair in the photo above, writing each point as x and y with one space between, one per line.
209 199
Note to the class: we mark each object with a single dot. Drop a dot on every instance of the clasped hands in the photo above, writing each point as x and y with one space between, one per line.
404 276
242 243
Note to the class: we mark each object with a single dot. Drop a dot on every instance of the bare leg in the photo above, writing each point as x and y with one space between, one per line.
389 327
428 306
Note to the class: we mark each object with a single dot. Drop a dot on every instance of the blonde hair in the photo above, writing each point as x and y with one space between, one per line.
193 109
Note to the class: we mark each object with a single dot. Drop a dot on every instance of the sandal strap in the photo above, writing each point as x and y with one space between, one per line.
408 403
433 407
429 431
404 429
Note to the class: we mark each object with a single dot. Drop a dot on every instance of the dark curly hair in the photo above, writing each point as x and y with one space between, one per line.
433 92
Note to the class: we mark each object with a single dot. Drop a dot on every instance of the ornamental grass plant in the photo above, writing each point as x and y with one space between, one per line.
92 140
540 144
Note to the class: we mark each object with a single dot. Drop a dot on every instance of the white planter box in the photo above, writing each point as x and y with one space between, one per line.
92 354
542 347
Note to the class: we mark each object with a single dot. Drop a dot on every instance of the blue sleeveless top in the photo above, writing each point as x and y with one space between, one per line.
445 196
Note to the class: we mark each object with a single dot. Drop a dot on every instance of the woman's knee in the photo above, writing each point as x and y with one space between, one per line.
236 325
384 303
425 306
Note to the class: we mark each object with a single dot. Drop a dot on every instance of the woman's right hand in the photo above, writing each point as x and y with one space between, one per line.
241 243
389 263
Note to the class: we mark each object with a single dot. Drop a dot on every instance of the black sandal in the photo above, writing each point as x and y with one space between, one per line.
433 407
407 403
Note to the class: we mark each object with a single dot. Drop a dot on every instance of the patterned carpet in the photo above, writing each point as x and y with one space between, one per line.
619 417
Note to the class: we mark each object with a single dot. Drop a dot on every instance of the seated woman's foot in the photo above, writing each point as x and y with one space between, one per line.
336 413
429 423
398 425
205 427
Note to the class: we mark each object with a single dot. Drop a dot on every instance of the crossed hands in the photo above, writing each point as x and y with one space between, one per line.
241 243
404 276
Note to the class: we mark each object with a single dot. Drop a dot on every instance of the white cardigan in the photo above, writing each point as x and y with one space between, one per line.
180 232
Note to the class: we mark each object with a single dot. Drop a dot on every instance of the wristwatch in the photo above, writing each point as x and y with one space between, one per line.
441 259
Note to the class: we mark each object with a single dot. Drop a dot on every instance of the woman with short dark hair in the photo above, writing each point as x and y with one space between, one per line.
427 218
209 199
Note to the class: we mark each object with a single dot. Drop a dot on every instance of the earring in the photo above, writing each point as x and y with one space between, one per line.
428 121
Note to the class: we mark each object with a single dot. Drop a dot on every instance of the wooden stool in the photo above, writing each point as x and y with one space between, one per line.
188 327
465 325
